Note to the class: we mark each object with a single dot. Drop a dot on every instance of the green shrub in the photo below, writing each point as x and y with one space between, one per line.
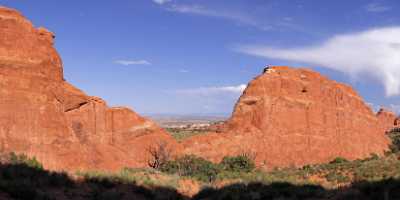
307 170
339 160
239 163
337 177
394 135
374 156
16 159
190 165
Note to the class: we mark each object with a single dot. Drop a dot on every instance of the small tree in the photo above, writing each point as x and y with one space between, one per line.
159 155
21 159
394 135
241 163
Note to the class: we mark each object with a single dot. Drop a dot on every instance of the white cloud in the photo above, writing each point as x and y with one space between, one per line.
132 62
209 91
183 71
395 108
372 106
237 17
374 7
161 1
375 53
375 108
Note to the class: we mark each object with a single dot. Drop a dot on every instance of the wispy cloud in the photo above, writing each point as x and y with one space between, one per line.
375 7
263 21
375 53
161 1
132 62
375 108
236 17
395 108
183 71
208 91
288 19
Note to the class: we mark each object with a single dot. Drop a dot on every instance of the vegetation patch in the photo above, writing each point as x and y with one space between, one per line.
192 166
394 135
20 159
241 163
180 134
206 171
339 160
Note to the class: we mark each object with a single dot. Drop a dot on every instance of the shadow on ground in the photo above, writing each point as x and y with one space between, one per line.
23 182
385 190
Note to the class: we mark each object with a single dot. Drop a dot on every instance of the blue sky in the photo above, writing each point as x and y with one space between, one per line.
195 56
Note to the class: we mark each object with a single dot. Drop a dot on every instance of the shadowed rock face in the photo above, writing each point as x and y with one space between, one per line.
293 117
44 116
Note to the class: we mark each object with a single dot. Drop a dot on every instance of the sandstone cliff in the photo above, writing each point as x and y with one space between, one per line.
44 116
292 117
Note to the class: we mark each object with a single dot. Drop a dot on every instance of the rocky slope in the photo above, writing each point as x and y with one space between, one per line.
42 115
292 117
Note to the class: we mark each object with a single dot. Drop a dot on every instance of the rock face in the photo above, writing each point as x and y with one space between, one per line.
292 117
387 118
44 116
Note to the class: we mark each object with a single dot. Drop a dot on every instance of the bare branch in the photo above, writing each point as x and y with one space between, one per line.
159 155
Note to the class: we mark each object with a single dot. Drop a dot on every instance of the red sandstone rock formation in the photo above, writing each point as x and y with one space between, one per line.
387 118
44 116
285 117
397 122
292 117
